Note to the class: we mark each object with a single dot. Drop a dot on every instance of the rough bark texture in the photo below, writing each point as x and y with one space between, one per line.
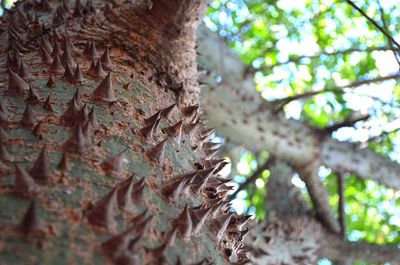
291 234
98 170
334 248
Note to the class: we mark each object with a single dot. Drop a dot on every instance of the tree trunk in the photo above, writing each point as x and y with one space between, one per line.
92 161
293 235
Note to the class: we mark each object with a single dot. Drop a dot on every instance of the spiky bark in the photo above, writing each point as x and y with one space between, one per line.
89 184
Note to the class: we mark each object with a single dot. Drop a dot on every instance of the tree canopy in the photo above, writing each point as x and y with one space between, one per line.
334 65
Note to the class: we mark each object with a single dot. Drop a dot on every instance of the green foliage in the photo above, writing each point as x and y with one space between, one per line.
310 45
369 208
254 194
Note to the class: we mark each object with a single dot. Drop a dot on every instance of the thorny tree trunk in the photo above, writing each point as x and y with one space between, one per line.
86 176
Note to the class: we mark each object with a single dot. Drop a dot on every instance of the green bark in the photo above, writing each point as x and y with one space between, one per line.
66 199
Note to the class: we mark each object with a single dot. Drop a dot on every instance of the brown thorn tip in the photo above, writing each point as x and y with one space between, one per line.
105 59
3 109
174 131
37 128
151 130
115 165
16 85
51 82
124 195
185 224
31 222
46 58
63 164
171 236
153 118
28 117
104 211
70 115
199 216
13 61
82 116
120 244
93 119
24 182
167 111
47 104
78 142
92 68
66 58
33 97
3 136
77 97
4 154
78 76
56 66
156 153
42 169
24 73
104 91
68 74
174 189
219 224
190 113
99 72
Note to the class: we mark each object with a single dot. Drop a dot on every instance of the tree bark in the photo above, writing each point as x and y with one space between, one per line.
292 234
106 186
335 248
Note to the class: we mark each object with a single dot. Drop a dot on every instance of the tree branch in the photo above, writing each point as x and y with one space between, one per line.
296 59
374 23
371 81
319 196
280 103
342 215
395 52
334 248
346 123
